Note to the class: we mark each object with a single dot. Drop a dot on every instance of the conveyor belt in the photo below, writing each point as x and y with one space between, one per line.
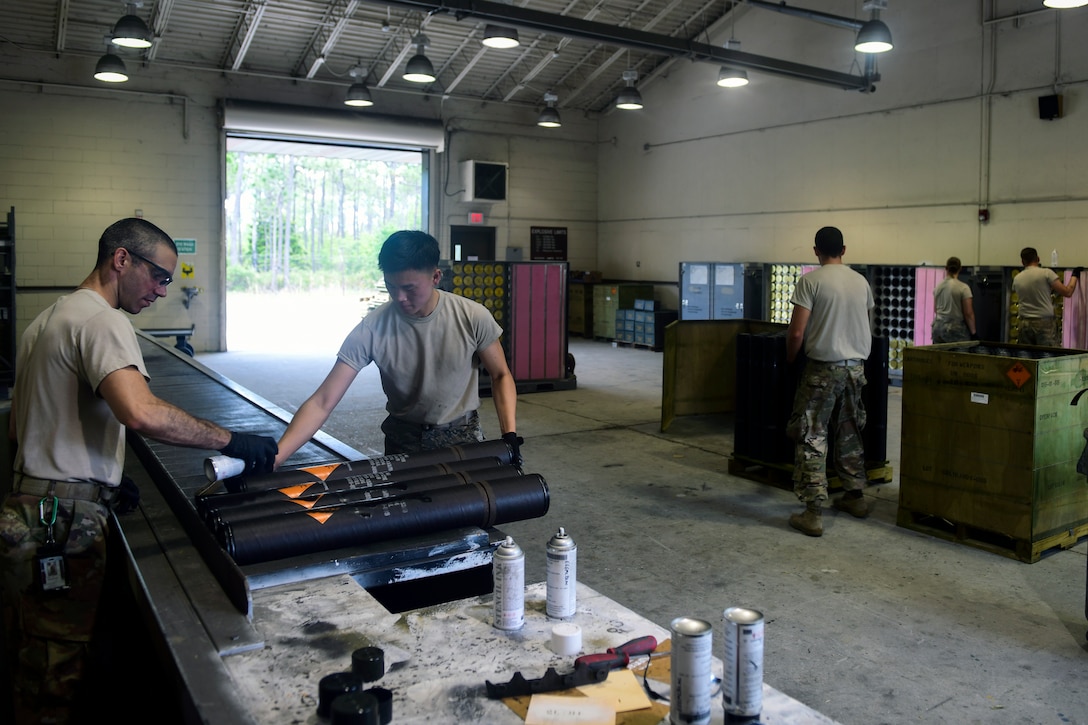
178 474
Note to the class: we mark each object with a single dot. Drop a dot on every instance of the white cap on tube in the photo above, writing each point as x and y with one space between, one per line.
219 467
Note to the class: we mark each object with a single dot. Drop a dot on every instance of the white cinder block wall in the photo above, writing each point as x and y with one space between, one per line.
700 173
748 175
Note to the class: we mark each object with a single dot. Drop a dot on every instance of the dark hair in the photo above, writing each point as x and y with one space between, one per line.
136 235
829 242
408 250
953 265
1029 255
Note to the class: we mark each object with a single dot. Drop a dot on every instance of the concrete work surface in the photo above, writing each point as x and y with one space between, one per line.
872 623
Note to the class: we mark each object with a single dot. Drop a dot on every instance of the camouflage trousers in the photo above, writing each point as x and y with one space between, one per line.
828 399
47 634
404 437
949 330
1041 331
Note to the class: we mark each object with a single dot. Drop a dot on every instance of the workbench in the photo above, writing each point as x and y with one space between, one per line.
257 656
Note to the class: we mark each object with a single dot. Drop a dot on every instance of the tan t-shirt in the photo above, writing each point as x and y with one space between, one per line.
1032 286
66 431
839 299
429 365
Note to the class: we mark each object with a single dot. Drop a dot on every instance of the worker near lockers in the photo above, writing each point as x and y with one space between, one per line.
428 345
954 318
1033 286
80 383
831 320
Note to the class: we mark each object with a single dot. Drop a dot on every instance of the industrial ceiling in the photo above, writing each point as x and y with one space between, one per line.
576 49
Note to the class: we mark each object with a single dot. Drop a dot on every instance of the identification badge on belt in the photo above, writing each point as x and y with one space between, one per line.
52 568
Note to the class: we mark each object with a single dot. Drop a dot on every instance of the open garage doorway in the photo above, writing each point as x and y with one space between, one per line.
303 225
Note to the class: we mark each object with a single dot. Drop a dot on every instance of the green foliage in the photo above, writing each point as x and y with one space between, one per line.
308 223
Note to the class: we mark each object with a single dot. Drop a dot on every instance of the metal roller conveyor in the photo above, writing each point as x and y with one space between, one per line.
218 516
482 503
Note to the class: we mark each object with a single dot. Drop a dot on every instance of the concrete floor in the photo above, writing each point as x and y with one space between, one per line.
872 623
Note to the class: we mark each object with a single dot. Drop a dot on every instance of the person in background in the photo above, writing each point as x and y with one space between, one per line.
1033 286
831 321
80 383
954 320
428 345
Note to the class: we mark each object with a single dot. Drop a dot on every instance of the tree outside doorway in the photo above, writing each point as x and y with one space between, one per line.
304 223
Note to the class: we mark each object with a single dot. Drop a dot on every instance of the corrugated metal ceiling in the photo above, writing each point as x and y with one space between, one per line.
322 40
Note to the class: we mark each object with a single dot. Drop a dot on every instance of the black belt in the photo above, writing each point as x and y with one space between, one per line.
72 490
463 420
841 363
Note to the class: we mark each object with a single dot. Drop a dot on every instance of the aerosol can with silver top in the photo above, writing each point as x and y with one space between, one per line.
562 576
508 566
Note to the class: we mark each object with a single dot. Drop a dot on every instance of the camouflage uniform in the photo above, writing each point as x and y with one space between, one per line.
404 437
1038 331
950 330
829 394
49 632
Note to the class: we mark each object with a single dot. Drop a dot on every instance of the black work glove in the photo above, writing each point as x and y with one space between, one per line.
1077 271
514 441
127 497
974 336
258 452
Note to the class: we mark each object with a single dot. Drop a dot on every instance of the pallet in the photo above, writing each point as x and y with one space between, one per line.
992 541
781 474
533 386
644 346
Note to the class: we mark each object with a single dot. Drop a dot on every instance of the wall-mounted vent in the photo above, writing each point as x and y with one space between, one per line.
484 180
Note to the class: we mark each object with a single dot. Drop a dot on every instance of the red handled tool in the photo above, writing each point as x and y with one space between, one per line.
616 657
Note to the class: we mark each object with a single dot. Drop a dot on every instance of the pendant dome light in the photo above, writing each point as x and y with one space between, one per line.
728 76
130 31
874 36
1065 4
110 69
549 116
629 99
500 36
358 95
419 68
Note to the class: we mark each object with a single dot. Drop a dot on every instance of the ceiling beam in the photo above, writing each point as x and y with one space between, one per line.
535 20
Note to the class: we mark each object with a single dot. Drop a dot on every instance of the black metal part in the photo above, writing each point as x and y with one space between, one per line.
626 37
552 681
178 473
480 503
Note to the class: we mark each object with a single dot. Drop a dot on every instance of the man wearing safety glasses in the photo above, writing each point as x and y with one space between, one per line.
80 383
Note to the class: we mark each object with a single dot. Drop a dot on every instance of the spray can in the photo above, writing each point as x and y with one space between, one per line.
562 576
742 680
690 661
508 565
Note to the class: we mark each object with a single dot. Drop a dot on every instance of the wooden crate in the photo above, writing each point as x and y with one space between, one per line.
580 312
608 298
990 444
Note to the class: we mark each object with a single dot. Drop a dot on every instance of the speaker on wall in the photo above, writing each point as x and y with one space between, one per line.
484 180
1050 107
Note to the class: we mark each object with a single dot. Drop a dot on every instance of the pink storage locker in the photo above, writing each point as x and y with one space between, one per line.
537 344
1075 315
926 280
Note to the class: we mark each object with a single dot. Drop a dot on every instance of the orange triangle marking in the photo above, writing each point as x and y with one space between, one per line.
306 504
295 491
322 472
320 516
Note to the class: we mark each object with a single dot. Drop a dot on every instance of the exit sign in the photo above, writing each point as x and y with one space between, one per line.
185 246
475 217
